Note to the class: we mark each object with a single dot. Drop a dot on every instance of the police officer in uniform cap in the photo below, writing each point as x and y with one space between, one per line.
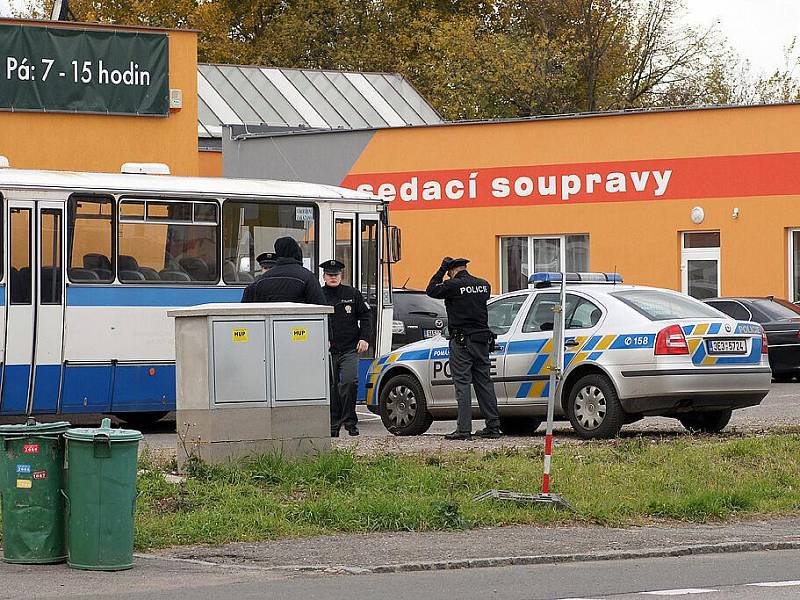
471 341
288 280
266 261
350 327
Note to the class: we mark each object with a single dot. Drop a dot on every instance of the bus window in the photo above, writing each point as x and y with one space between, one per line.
368 257
50 276
162 241
20 276
90 252
250 228
343 250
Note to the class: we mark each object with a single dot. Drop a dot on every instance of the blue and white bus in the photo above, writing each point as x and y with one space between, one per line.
92 261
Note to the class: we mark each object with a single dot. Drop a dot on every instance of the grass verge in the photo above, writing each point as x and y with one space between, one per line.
622 482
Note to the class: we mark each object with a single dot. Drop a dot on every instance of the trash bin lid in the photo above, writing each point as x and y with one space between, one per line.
89 434
33 427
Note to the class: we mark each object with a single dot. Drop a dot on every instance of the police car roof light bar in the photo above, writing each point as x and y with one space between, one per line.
546 279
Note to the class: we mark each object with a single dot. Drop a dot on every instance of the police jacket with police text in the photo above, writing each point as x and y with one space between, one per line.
350 321
464 298
287 281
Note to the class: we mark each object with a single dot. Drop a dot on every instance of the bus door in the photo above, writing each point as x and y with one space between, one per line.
34 308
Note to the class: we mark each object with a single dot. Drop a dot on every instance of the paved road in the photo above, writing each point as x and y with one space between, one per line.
781 408
744 576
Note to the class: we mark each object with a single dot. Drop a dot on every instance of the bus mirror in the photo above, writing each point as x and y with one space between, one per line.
394 244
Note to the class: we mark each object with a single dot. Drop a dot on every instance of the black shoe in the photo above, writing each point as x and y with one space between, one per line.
334 434
353 431
458 435
487 434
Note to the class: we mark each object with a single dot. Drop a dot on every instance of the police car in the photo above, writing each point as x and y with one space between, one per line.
630 352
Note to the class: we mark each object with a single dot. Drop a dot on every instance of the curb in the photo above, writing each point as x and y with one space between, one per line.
503 561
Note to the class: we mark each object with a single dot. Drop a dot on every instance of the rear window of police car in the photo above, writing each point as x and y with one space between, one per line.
661 306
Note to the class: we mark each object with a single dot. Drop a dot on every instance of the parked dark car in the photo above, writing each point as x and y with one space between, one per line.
416 316
780 319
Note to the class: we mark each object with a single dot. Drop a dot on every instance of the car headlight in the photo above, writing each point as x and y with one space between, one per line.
398 327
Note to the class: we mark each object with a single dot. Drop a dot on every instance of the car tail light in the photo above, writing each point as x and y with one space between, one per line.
765 342
671 340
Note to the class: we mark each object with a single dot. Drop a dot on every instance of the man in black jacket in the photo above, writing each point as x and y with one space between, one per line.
288 280
465 299
350 328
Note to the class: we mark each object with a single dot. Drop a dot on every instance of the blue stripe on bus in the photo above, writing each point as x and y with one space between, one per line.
130 295
3 294
143 387
15 389
87 389
45 388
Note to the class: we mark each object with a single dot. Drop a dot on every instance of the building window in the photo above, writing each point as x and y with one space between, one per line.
794 265
522 256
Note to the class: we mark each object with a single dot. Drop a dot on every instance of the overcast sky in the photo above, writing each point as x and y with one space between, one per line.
759 30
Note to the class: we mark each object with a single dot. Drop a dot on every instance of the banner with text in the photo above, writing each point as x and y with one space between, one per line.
83 71
641 180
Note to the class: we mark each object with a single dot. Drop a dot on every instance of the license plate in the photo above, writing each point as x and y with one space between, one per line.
429 333
726 346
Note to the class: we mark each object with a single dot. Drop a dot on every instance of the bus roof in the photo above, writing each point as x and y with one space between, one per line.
217 186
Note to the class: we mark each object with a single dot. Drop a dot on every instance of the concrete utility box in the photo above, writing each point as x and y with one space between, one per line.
252 379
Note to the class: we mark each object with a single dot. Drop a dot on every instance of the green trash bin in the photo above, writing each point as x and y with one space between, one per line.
101 496
31 479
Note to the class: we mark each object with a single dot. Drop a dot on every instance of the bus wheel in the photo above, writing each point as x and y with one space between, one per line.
519 425
403 407
139 420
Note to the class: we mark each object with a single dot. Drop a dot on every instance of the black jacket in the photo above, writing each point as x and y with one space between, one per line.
351 320
464 298
288 280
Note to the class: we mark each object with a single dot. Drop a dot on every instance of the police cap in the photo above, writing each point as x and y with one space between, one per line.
267 259
332 266
457 262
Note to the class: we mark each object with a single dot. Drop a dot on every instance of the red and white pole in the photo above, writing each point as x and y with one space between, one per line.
556 368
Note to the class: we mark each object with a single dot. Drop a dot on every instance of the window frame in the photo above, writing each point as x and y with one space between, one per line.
794 292
526 297
562 253
580 299
265 200
145 198
70 232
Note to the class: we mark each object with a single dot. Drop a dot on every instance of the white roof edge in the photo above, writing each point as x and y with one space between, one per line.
172 184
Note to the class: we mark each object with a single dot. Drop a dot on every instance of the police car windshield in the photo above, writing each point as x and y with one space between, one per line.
660 306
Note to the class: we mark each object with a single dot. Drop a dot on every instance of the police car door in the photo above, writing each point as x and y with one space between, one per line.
502 315
528 356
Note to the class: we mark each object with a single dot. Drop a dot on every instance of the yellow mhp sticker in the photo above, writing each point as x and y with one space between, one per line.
239 335
24 484
299 334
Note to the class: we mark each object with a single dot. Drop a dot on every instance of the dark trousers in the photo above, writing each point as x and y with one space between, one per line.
344 389
469 364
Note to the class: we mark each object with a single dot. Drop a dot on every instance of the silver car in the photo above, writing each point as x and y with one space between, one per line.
630 352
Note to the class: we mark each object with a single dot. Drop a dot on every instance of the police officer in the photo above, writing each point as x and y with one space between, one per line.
350 327
465 299
266 260
288 280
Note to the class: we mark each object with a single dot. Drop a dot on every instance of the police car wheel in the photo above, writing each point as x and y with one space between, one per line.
594 409
519 425
706 422
403 407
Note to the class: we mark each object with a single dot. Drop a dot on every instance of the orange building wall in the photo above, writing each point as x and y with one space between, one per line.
210 164
103 143
640 239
